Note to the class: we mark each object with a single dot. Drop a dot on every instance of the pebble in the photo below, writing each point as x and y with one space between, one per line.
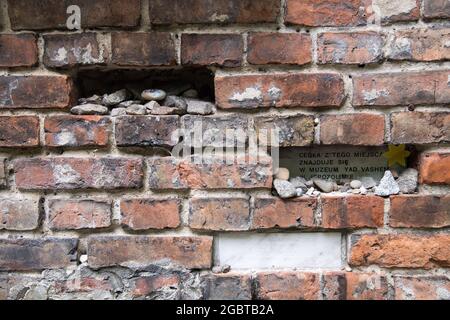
282 174
324 185
83 258
299 182
191 93
118 112
407 181
368 182
356 191
126 104
310 191
89 109
115 98
136 109
363 190
153 94
299 192
177 103
221 269
309 183
355 184
199 107
387 185
285 189
151 105
95 99
162 110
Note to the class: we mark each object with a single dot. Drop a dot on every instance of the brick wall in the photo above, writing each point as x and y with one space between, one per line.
78 212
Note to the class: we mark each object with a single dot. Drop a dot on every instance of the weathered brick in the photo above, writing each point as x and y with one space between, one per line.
400 251
77 131
352 212
219 214
232 286
94 14
212 49
349 48
18 50
158 287
279 48
354 286
36 92
143 131
216 11
19 131
144 214
273 212
188 252
2 173
401 89
19 214
37 254
391 11
280 90
352 129
422 288
143 49
65 214
420 127
211 173
316 13
70 50
420 45
436 9
292 131
420 211
434 168
78 173
288 286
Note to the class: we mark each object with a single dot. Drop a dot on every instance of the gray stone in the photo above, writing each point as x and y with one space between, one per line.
151 105
128 103
356 191
89 109
95 99
368 182
153 94
158 110
324 185
363 190
115 98
191 93
118 112
310 191
345 188
177 103
407 181
387 185
300 192
285 189
299 182
309 183
199 107
136 109
355 184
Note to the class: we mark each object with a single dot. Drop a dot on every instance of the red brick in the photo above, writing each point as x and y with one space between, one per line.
420 127
84 285
94 14
279 48
70 50
280 90
316 13
434 168
219 214
144 131
59 173
19 214
18 50
227 287
188 252
288 286
212 49
352 212
400 251
212 173
37 254
144 214
436 9
217 11
143 49
350 48
352 129
417 211
401 89
422 288
19 131
158 287
78 214
77 131
273 212
420 45
293 131
354 286
35 92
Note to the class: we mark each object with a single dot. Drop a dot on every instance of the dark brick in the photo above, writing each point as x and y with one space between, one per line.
19 131
18 50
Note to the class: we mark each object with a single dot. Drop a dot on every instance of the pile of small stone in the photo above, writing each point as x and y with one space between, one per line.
150 101
390 184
